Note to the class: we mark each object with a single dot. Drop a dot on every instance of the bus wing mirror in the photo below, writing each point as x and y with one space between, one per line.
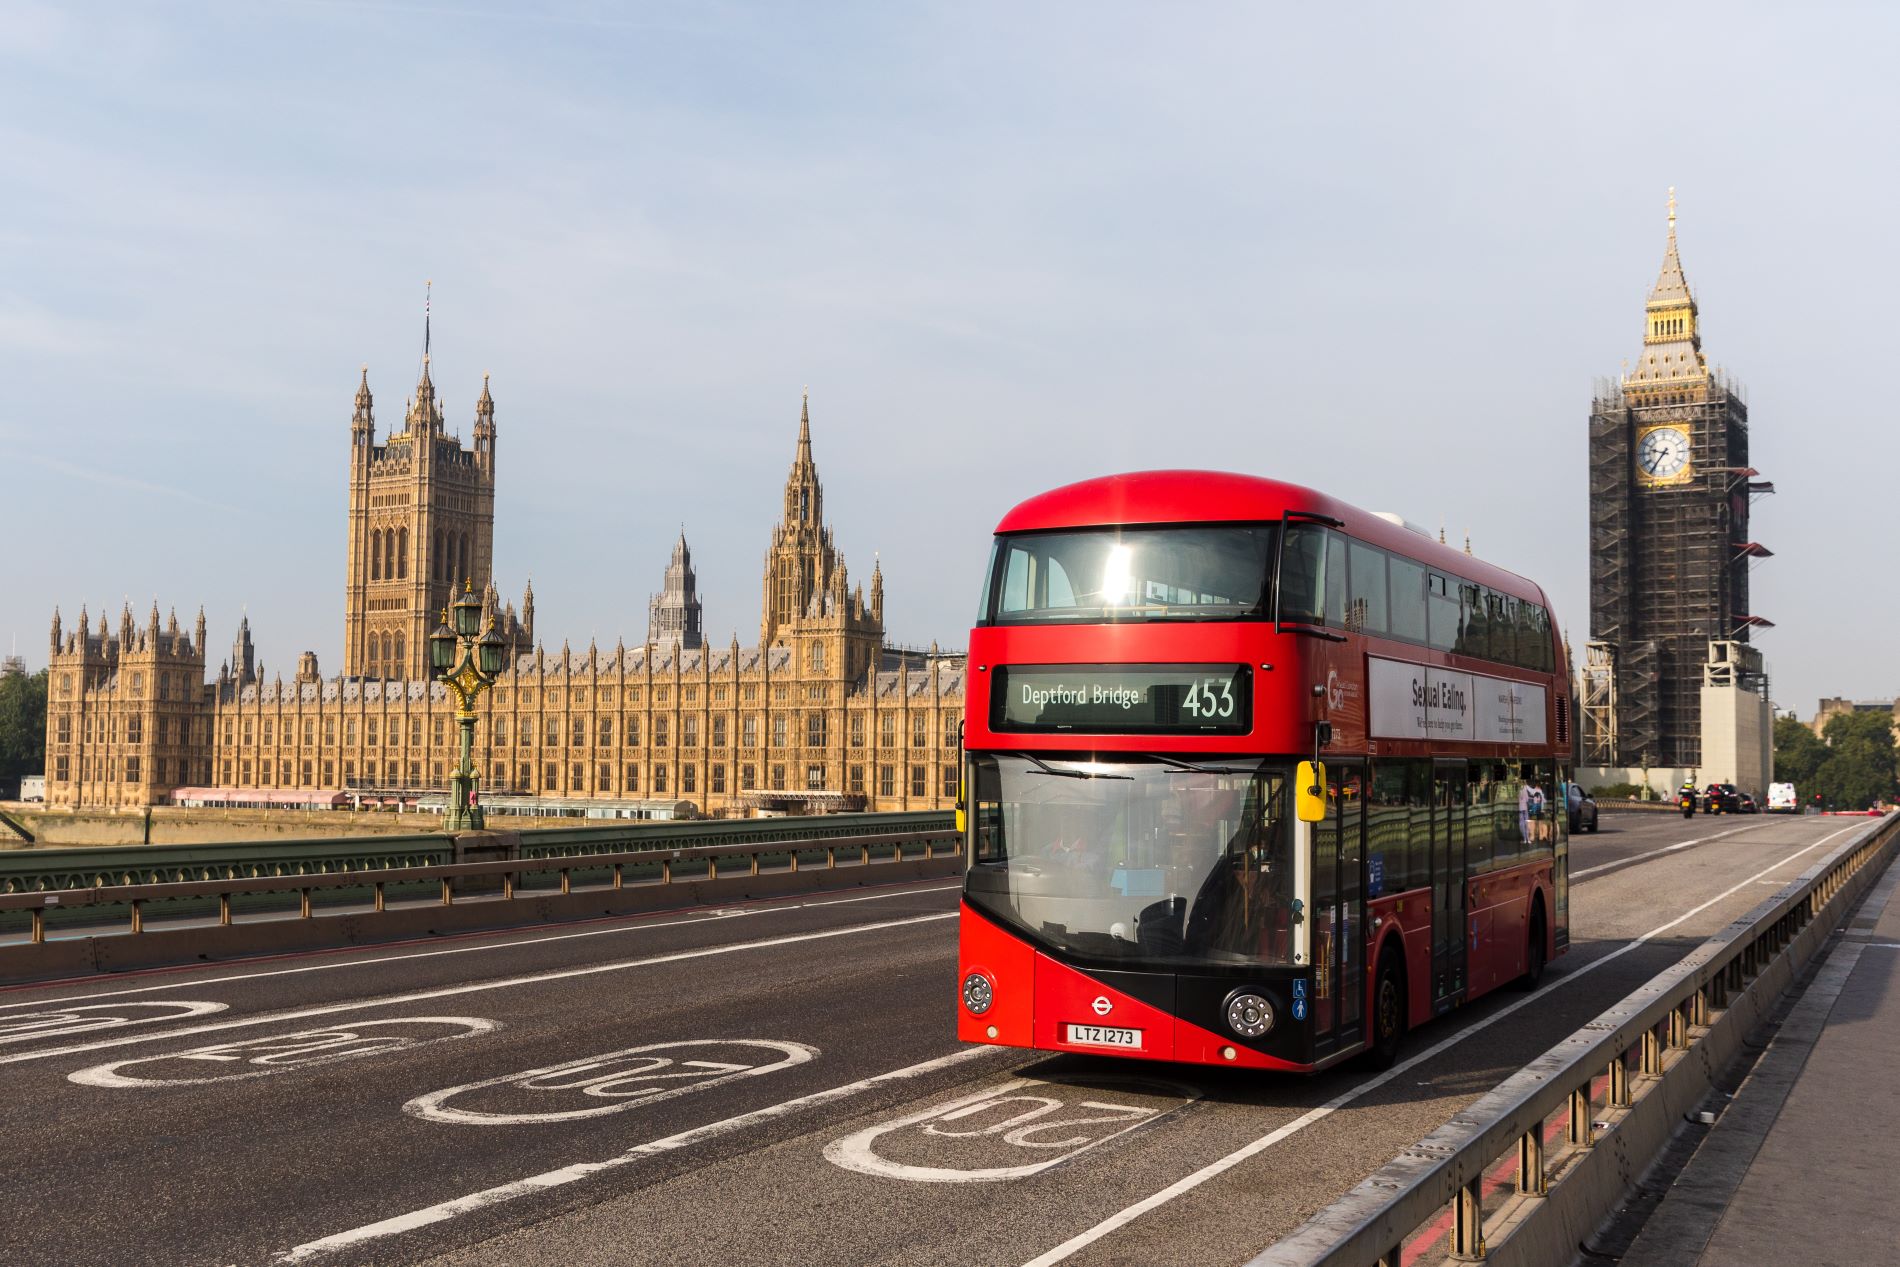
1309 795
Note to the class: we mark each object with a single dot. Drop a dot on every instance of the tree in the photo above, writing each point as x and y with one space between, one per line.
1799 752
1860 765
22 724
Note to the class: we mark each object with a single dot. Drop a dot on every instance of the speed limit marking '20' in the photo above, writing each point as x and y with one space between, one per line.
1009 1131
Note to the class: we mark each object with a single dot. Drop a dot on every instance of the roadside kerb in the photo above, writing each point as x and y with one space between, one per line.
686 877
1660 1049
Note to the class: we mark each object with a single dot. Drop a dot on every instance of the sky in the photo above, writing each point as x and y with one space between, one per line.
1386 250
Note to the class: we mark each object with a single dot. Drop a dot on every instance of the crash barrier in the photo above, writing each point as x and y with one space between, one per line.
1527 1172
36 870
382 904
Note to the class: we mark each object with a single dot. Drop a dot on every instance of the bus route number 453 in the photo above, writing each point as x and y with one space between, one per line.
1210 697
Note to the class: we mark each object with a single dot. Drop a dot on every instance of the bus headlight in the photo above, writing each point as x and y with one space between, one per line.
1248 1014
978 993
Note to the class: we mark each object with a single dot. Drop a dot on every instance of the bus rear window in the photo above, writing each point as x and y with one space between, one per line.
1109 574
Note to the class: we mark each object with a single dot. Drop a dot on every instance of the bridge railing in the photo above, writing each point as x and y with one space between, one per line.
1528 1171
508 879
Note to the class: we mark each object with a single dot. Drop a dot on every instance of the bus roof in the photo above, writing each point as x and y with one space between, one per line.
1182 497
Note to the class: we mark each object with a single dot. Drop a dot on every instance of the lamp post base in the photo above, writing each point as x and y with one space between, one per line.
464 812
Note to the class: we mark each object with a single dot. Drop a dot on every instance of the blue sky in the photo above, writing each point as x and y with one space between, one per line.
1385 250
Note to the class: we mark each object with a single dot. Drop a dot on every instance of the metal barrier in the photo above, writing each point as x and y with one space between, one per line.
1576 1127
442 898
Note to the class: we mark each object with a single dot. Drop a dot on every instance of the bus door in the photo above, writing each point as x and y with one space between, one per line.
1451 809
1338 911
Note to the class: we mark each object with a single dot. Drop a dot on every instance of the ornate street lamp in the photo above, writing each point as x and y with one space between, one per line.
475 672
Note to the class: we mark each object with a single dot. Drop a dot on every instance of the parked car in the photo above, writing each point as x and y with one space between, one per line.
1583 812
1721 798
1748 804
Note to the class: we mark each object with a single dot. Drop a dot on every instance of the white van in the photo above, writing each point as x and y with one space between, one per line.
1781 799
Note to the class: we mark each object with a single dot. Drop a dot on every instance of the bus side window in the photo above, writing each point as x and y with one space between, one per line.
1366 588
1420 797
1335 586
1408 599
1441 609
1303 575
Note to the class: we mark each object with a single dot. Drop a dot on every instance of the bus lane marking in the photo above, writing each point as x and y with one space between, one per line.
612 1082
577 1171
1188 1183
21 1027
1047 1120
499 983
261 1057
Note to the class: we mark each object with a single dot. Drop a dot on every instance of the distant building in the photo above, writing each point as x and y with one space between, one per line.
820 715
1836 706
1670 491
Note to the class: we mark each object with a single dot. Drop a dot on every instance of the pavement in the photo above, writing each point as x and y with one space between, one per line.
1799 1168
761 1083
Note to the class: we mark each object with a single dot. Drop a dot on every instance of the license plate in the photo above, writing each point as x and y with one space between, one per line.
1103 1036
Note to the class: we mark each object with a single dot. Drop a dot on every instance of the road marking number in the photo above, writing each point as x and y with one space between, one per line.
609 1083
1019 1128
261 1057
20 1027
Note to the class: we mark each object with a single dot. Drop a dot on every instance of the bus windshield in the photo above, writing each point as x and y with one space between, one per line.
1148 861
1101 574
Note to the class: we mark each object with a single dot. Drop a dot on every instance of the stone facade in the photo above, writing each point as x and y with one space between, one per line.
821 715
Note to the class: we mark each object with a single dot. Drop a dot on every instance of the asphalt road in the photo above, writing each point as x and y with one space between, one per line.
762 1084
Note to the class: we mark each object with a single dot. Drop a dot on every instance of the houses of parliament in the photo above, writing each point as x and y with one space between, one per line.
820 715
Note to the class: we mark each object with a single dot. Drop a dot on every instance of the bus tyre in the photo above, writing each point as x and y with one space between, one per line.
1534 955
1388 1012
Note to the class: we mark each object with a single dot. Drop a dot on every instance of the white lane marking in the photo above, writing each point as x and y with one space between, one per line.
1128 1215
550 939
1657 853
501 983
581 1170
1023 1104
282 1052
20 1027
630 1078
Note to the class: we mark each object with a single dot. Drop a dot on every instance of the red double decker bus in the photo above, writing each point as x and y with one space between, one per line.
1254 777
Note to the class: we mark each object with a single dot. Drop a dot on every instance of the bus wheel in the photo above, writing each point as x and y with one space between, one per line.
1534 953
1388 1012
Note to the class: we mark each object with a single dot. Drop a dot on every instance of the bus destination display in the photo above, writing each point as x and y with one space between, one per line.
1213 699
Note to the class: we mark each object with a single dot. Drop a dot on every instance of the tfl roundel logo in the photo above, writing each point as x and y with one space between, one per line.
1102 1006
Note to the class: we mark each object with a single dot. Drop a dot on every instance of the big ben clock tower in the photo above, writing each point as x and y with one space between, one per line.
1670 487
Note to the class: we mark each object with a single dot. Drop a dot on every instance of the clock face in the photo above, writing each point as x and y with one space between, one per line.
1664 452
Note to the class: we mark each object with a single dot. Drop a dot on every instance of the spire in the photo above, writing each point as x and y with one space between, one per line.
55 628
364 418
1671 286
1671 368
804 426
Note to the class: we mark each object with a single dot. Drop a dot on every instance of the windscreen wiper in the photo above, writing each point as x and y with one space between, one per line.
1044 767
1197 768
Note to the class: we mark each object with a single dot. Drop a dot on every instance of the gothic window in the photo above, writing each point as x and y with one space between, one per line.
577 775
164 686
689 732
949 782
748 777
887 780
580 732
135 730
370 724
501 732
719 780
131 769
778 730
814 730
605 781
689 778
719 732
329 730
415 732
604 733
309 731
950 728
633 732
815 658
857 779
887 731
402 553
659 732
778 778
690 694
919 729
857 730
554 731
439 729
269 727
389 554
749 731
633 778
376 554
349 731
659 778
918 785
814 778
65 728
395 665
